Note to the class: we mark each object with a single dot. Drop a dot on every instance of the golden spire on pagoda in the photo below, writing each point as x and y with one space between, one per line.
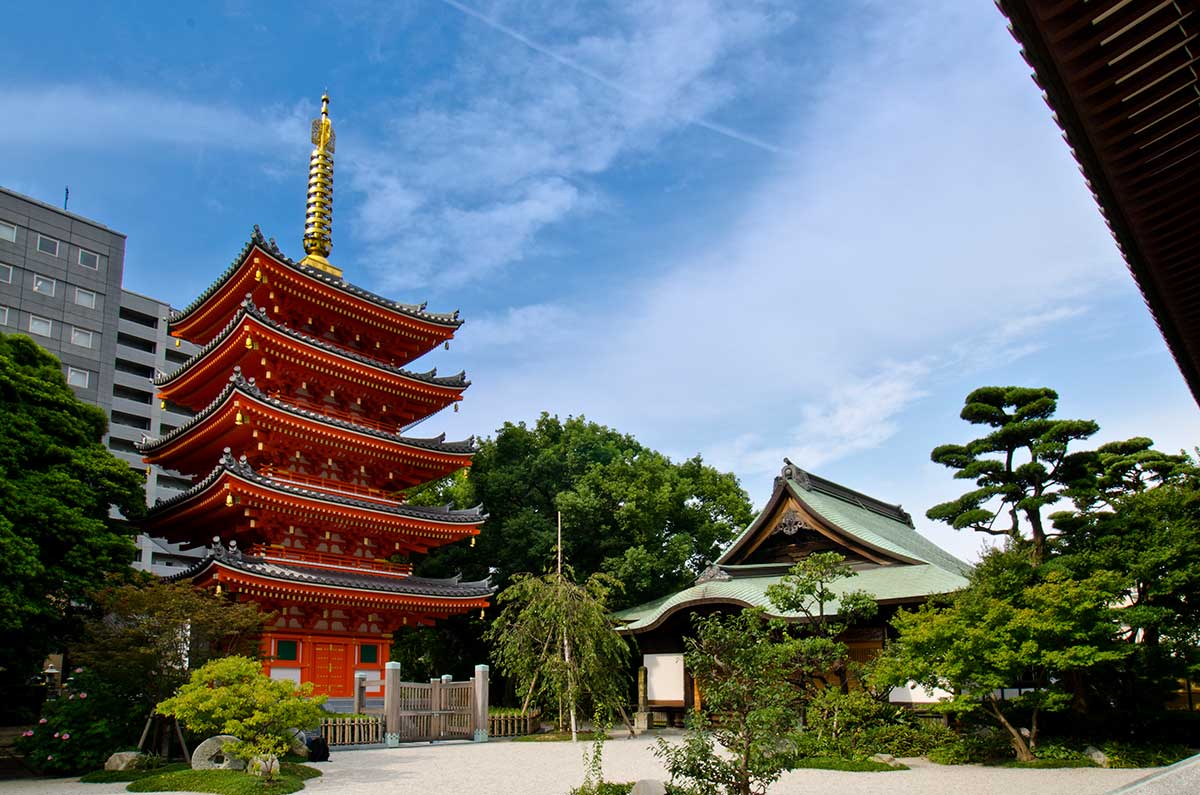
318 221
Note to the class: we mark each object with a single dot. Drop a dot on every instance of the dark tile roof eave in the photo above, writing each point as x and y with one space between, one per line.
467 518
239 384
269 247
450 588
250 309
1024 28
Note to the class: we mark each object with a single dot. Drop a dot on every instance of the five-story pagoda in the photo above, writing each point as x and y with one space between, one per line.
302 396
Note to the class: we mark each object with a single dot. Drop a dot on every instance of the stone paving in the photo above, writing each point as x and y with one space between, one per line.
513 768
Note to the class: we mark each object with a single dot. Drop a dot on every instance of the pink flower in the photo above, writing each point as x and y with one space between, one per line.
49 757
66 735
43 720
56 735
28 733
78 670
83 695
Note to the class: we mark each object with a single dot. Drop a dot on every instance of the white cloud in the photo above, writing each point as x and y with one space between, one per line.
936 226
124 118
475 176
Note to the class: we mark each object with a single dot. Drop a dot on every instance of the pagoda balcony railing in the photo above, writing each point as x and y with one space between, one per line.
329 486
328 560
335 413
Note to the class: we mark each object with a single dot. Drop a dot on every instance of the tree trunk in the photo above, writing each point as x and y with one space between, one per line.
1014 735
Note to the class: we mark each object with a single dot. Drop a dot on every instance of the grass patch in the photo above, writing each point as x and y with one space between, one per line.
846 765
114 776
555 737
225 782
1047 763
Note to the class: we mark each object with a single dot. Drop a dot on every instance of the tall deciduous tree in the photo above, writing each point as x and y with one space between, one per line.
57 482
148 636
628 511
1015 624
1021 466
1139 517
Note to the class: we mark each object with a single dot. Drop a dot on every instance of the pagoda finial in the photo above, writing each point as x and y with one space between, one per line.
318 221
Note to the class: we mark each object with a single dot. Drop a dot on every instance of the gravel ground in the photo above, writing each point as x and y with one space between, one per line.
504 768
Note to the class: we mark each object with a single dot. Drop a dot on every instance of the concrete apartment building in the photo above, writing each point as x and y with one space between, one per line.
60 284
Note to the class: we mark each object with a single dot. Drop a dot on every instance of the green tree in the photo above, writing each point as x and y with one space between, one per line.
555 640
148 636
628 511
1139 517
57 482
622 503
1015 624
1021 466
806 590
742 663
233 696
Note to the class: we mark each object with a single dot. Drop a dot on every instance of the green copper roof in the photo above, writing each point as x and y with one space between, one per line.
888 583
914 567
875 529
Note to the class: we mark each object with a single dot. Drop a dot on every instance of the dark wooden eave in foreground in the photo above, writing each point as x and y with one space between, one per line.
1122 79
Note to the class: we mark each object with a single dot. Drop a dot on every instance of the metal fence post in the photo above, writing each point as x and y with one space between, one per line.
481 703
391 704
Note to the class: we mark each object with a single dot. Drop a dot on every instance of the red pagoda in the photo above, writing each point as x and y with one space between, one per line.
302 398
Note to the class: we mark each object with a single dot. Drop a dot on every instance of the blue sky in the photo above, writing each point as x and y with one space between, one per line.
745 229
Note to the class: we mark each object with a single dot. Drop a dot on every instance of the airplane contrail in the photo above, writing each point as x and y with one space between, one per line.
512 33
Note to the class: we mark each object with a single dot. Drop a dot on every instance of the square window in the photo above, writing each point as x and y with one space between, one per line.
5 273
43 285
287 650
81 337
8 232
40 326
3 315
48 245
89 259
77 377
85 298
368 654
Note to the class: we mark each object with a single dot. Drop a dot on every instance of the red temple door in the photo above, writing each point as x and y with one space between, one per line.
329 669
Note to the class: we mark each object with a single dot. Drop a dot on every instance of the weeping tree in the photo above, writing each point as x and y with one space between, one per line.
555 639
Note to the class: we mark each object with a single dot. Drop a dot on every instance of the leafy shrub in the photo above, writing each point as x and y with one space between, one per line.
855 726
1060 751
604 788
900 739
233 696
1124 754
80 729
973 748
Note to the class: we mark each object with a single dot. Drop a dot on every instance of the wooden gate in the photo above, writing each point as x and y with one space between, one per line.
437 710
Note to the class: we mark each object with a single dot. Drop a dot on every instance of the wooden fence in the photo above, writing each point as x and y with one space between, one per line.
514 725
438 710
358 730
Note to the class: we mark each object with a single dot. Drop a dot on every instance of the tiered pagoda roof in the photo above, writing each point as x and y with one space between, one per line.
241 411
263 578
247 502
250 337
409 328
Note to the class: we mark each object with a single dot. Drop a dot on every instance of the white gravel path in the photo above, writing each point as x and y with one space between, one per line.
511 768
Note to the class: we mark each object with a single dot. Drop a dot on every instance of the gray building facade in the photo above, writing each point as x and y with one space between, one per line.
60 284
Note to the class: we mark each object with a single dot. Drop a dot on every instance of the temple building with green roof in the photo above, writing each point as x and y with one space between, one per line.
804 515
